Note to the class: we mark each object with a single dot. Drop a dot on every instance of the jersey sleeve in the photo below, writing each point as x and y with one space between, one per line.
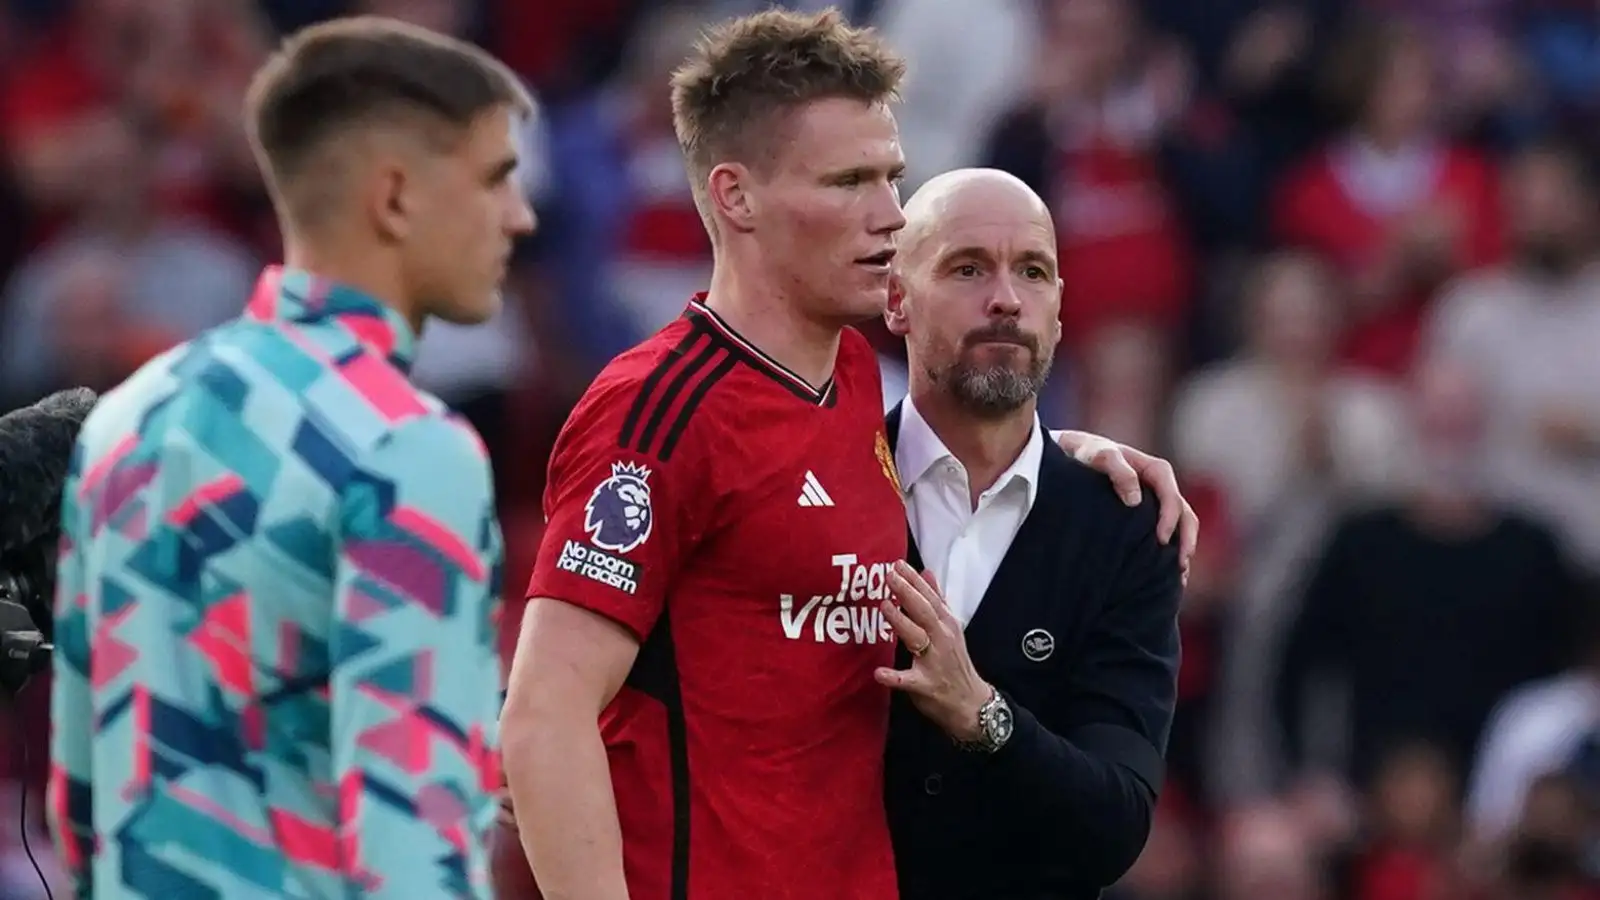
624 503
414 689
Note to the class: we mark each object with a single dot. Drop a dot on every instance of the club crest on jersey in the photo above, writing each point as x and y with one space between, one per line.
618 516
886 461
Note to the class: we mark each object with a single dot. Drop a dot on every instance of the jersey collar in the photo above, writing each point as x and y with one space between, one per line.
295 295
756 357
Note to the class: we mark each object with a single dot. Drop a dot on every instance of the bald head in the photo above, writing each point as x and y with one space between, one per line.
970 194
978 294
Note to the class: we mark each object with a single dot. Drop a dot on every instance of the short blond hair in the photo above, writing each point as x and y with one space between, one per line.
747 72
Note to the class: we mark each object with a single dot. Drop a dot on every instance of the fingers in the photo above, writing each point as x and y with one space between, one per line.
917 599
909 680
910 633
1124 478
1159 474
1070 441
1173 507
936 598
1106 457
1188 536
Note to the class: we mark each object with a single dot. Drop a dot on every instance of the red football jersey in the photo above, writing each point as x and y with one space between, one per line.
742 524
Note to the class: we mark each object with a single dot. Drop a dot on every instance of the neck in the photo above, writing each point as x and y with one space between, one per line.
766 317
1449 513
371 272
984 447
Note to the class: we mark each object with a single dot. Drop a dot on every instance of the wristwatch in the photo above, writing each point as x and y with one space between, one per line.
994 725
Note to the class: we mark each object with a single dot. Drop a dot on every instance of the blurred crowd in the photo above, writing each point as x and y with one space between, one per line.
1335 258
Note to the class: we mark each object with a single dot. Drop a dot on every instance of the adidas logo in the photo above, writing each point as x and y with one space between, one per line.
812 494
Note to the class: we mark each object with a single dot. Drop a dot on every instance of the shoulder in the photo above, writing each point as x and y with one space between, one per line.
1087 495
653 401
854 345
349 395
1545 706
1364 527
436 442
1530 534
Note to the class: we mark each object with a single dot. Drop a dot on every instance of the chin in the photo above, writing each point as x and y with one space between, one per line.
470 312
864 304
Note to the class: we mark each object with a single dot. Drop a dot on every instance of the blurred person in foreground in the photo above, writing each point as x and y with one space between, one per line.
1428 608
692 709
1013 772
276 672
1528 330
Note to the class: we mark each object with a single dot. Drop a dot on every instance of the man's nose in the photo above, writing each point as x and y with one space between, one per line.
1005 300
522 221
888 217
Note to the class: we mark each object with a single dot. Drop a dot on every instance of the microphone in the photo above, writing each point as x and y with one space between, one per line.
35 454
35 451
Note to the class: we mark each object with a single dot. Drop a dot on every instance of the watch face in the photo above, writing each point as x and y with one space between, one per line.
1000 724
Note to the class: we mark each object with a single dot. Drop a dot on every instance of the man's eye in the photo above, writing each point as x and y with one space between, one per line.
967 270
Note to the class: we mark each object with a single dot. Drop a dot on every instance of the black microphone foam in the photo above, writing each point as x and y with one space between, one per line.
35 453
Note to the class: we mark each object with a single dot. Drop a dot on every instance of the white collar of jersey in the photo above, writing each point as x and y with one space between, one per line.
919 451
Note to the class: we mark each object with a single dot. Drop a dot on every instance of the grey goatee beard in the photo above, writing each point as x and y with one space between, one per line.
994 391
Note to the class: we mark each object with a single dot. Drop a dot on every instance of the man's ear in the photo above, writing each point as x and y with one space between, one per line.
388 194
894 315
1055 320
727 187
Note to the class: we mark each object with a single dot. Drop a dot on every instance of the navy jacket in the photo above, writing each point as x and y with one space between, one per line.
1079 630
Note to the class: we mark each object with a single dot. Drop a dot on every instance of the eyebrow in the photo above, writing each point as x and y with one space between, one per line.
1036 257
503 170
868 173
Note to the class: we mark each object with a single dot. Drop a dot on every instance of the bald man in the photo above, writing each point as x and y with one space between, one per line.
1037 676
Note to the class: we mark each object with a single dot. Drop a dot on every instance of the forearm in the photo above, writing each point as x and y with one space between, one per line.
1097 788
566 812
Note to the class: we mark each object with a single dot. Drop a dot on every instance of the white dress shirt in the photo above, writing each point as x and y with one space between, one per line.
960 545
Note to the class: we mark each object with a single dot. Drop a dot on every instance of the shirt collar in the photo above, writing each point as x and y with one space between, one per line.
295 295
919 450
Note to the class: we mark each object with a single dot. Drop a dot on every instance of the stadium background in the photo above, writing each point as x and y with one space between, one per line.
1269 214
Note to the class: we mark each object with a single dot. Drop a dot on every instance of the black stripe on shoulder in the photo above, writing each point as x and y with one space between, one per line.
679 424
760 362
688 373
642 402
